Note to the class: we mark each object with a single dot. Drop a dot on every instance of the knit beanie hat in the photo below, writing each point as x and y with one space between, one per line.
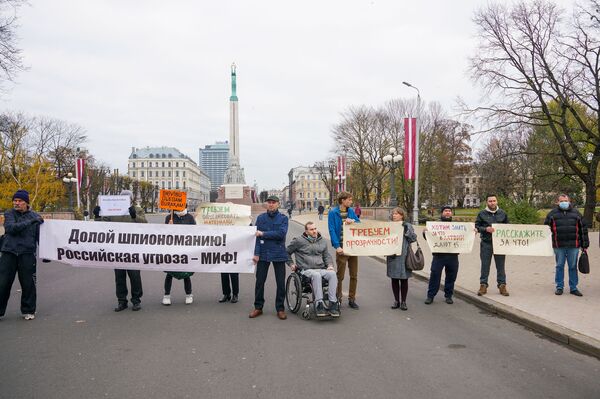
22 195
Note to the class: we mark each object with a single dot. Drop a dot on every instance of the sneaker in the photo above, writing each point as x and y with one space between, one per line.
352 303
482 290
396 305
574 292
29 316
334 309
449 300
502 289
320 309
428 301
559 291
403 306
121 306
136 307
167 300
189 299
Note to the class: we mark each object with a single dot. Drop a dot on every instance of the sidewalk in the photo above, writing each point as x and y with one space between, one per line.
572 320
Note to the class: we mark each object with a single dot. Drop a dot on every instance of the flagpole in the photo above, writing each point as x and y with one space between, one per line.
78 177
416 203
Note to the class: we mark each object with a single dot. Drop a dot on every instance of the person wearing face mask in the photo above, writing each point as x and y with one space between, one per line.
19 243
442 260
490 215
271 229
179 217
569 233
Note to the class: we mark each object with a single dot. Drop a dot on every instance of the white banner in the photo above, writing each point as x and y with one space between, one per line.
450 237
371 238
114 205
224 214
186 248
522 239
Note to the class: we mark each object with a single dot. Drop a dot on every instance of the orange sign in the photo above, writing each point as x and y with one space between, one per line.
172 199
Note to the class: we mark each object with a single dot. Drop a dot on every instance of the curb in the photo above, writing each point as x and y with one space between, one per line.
574 340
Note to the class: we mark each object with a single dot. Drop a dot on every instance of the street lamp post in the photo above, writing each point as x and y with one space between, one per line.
416 201
392 160
154 198
69 180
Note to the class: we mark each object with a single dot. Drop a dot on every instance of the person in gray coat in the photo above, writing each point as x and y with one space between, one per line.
313 260
396 264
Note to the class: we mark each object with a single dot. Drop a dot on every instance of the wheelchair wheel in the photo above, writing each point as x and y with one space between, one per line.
306 314
293 293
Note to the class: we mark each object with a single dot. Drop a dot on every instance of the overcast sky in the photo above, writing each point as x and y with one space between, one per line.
142 73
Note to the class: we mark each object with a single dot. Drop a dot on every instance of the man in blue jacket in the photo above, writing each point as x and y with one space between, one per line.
338 216
22 230
271 230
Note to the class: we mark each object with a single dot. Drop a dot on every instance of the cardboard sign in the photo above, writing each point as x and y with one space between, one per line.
450 237
114 205
522 239
172 199
224 214
372 238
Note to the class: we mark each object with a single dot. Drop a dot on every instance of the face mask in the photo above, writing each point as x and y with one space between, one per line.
564 205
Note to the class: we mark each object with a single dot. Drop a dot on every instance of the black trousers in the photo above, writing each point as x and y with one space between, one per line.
262 269
187 284
235 283
439 262
135 280
24 266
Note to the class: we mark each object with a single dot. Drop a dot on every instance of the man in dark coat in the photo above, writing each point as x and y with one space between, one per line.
488 216
136 215
569 233
272 228
19 243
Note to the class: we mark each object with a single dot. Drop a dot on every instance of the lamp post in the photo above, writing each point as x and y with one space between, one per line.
69 180
155 191
392 161
416 201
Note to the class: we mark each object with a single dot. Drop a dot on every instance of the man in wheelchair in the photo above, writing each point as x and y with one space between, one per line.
313 261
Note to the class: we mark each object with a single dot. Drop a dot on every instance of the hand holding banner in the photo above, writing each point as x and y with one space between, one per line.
371 238
522 239
450 237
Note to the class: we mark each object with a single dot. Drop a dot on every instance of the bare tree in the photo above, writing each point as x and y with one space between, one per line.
326 170
10 54
545 72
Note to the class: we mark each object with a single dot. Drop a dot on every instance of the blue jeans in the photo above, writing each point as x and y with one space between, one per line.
570 255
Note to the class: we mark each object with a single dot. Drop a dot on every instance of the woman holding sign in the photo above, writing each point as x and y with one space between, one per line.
179 217
396 264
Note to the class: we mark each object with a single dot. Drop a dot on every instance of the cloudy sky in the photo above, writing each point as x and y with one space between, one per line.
142 73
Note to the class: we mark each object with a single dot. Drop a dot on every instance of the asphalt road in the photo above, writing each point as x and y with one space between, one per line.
77 347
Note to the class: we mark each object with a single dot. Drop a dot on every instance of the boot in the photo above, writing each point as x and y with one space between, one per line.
502 289
482 290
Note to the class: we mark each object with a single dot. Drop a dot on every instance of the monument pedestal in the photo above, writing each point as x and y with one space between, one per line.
235 193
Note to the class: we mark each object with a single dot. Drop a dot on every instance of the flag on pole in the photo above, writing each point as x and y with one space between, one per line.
79 170
341 173
410 147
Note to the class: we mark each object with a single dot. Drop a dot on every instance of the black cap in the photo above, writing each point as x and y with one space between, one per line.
273 198
445 207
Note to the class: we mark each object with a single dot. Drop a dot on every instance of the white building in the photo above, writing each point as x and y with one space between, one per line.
308 190
168 168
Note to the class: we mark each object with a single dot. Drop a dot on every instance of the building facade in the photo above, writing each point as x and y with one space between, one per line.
168 168
307 188
214 160
467 190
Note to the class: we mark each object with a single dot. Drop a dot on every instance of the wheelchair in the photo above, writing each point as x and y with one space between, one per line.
298 289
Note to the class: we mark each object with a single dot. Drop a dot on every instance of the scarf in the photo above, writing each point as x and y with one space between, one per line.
490 211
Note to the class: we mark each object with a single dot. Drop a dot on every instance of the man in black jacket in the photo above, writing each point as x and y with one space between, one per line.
569 233
22 230
490 215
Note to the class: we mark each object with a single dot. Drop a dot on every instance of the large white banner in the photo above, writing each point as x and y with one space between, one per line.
371 238
522 239
450 237
193 248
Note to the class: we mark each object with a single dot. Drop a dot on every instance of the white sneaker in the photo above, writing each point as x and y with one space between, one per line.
166 300
189 299
29 316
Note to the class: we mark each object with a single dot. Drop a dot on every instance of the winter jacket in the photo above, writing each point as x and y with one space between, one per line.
335 223
185 219
310 253
485 219
568 228
396 264
21 232
271 246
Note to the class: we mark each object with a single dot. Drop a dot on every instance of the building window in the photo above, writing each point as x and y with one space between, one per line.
177 185
149 173
184 185
163 173
142 173
163 164
169 183
169 164
467 180
184 173
176 173
169 173
176 164
142 164
133 174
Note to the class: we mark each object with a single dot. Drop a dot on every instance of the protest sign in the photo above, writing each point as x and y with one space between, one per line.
187 248
114 205
172 199
450 237
522 239
372 238
224 214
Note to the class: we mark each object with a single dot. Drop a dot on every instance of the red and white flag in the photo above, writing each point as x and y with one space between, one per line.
79 169
341 173
410 148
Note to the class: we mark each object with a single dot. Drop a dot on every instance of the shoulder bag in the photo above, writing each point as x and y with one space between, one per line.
414 259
